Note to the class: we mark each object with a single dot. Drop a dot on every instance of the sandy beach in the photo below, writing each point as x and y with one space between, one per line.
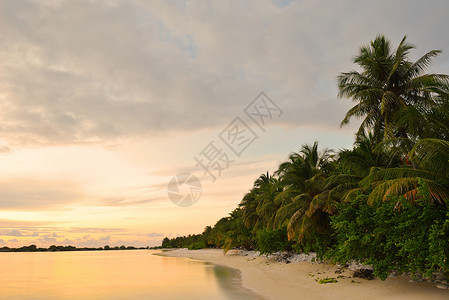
273 280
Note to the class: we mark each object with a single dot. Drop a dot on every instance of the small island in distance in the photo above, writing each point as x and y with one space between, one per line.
54 248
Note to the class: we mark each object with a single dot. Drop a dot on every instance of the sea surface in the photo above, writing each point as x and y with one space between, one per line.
124 274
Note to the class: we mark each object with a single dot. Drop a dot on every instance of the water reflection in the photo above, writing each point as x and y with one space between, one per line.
133 274
230 282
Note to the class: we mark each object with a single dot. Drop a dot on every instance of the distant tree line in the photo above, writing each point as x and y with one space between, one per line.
53 248
192 241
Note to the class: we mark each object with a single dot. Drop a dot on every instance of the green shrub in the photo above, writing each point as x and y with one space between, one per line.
272 241
439 244
196 246
316 241
392 235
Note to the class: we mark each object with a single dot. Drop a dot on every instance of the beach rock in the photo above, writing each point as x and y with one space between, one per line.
393 274
354 266
364 274
442 286
301 257
416 278
440 277
283 257
249 253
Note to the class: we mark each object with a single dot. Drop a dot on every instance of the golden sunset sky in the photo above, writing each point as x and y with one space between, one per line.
103 102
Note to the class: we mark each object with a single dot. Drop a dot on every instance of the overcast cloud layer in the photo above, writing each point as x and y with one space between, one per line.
89 71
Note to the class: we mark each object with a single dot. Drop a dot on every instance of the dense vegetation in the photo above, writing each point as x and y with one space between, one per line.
383 202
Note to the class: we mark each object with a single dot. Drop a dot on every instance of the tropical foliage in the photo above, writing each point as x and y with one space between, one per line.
383 202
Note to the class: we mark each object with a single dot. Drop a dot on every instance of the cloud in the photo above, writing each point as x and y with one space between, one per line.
95 230
154 234
46 239
13 232
67 242
5 149
58 235
26 223
90 72
17 193
22 231
136 243
105 238
128 201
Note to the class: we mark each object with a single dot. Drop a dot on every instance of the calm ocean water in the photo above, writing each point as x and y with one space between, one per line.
127 274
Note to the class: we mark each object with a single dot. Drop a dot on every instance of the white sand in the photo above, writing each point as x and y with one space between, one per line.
293 281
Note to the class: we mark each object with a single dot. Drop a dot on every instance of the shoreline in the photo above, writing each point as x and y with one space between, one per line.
275 280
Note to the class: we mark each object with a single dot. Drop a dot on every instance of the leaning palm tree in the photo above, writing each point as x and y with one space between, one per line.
249 209
430 171
315 207
258 206
388 88
304 202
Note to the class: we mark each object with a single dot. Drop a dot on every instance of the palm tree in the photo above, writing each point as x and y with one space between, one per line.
314 209
315 158
430 171
437 120
390 87
368 154
258 205
400 104
249 209
304 202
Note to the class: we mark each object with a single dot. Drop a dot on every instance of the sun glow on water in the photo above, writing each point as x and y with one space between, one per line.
134 274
